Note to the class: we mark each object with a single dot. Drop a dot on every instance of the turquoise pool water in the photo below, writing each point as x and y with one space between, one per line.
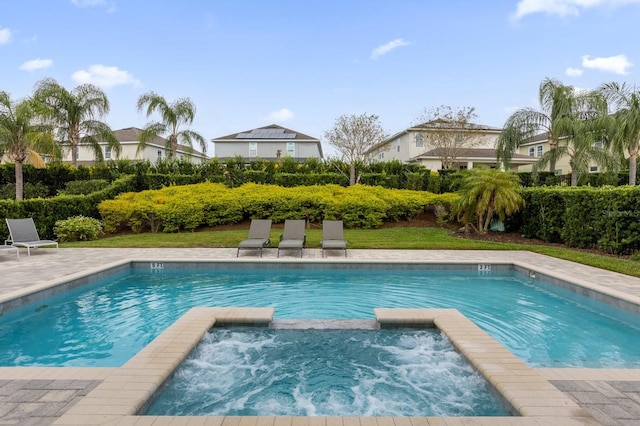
108 321
257 371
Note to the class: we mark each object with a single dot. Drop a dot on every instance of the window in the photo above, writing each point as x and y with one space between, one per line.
532 151
593 168
253 149
159 155
381 155
291 149
539 151
419 140
398 146
107 152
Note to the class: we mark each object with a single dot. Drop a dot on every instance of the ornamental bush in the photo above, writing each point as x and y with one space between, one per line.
78 228
189 207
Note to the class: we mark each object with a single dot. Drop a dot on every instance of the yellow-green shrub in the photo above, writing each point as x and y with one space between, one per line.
176 208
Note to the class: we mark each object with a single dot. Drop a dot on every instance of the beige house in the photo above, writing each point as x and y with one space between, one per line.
539 145
412 146
268 143
129 139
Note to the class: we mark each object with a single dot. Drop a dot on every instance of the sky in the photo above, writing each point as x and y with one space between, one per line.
303 63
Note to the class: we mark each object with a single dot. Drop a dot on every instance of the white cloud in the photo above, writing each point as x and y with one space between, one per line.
36 64
279 116
615 64
563 7
574 72
5 35
89 3
105 77
388 47
93 3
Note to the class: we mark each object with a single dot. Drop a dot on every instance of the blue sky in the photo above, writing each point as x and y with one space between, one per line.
303 63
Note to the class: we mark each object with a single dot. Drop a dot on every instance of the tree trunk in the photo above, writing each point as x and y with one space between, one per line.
633 161
552 162
574 177
352 173
19 181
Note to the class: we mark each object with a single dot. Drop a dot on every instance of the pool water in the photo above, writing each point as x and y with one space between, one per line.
105 323
258 371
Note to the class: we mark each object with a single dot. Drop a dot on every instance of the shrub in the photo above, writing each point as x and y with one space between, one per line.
78 228
78 187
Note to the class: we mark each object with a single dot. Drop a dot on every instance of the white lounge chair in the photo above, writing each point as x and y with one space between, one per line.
258 236
293 237
333 236
8 248
23 233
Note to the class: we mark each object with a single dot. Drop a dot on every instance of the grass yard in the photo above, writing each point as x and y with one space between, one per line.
417 238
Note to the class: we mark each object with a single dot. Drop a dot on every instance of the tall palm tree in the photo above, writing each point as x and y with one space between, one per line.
485 193
76 115
21 136
626 128
556 102
583 128
173 115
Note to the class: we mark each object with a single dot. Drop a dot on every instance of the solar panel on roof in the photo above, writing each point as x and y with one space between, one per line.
266 134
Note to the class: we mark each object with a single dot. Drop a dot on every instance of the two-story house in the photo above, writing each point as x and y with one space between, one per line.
268 143
422 144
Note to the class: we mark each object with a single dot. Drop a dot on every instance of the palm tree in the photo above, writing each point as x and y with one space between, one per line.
173 115
626 127
76 115
556 102
584 127
21 136
485 193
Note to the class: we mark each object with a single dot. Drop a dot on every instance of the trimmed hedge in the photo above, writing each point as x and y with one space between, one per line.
607 218
46 211
178 208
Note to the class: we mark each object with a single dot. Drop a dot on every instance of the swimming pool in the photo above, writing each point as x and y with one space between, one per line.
105 322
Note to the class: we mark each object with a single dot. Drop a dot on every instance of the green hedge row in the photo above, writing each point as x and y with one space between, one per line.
189 207
46 211
607 218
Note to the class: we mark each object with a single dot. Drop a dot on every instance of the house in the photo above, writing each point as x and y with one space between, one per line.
417 144
129 139
268 143
539 145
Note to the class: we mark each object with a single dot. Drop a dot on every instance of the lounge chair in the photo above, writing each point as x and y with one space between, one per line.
333 236
23 233
293 237
258 237
8 248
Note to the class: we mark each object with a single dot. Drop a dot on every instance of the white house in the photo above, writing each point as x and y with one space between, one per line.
412 146
268 143
129 139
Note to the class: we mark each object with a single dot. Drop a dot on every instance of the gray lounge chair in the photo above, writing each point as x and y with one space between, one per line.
333 236
258 237
293 237
8 248
23 233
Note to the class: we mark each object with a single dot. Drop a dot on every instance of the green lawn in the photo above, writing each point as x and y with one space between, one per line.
386 238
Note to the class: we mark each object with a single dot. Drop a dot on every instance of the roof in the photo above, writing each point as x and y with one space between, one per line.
478 153
444 124
132 134
266 134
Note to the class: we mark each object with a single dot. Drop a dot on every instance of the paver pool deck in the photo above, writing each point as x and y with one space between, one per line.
66 395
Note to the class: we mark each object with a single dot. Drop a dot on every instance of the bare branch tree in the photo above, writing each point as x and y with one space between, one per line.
352 135
449 133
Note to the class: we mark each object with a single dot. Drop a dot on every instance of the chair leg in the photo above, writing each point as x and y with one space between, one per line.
238 253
